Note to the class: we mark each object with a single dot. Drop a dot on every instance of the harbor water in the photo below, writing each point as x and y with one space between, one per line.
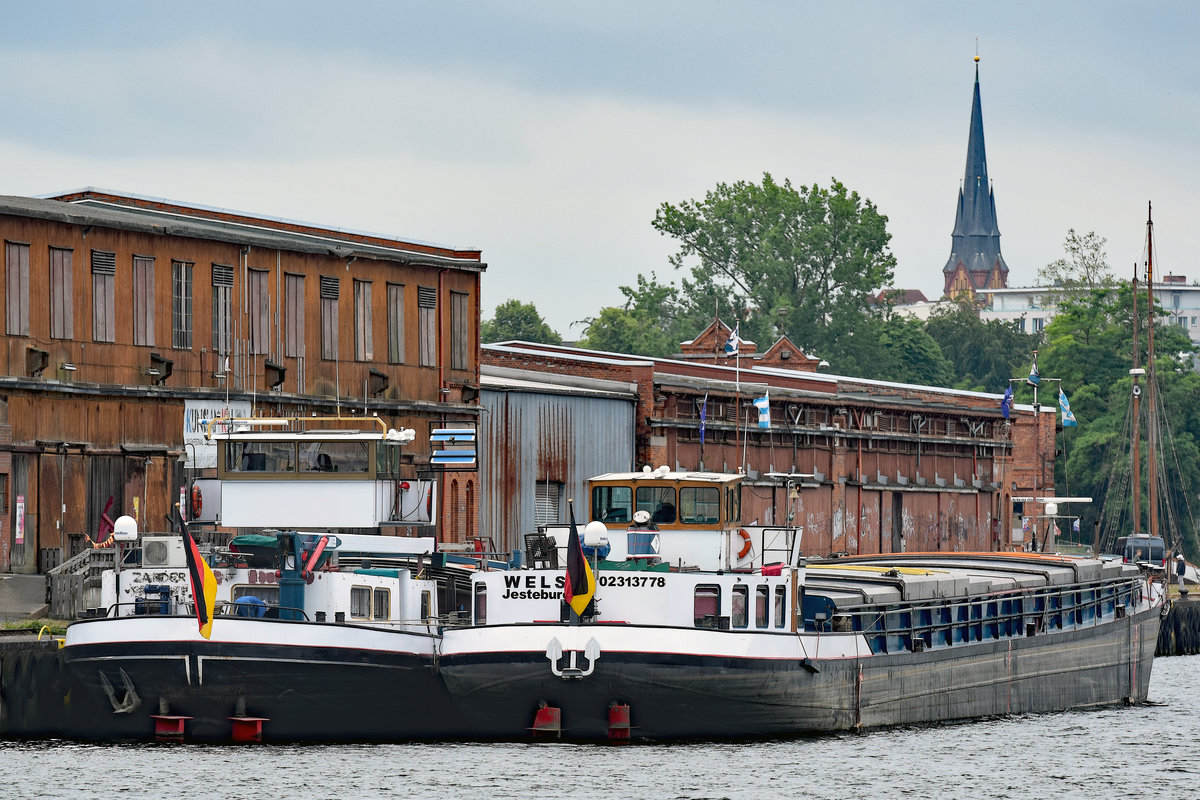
1148 751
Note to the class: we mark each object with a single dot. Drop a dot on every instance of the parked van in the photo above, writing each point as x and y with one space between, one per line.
1142 548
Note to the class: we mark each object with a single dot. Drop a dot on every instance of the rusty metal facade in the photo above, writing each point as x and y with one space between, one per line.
561 440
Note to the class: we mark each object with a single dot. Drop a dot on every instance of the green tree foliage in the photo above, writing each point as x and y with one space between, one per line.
983 355
647 324
517 320
803 262
1084 266
1089 344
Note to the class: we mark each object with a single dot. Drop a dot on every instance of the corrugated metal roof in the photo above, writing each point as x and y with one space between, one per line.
172 224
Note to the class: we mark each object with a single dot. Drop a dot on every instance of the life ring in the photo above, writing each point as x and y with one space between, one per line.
197 501
745 544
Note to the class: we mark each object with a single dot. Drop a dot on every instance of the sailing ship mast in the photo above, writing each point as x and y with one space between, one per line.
1136 412
1151 410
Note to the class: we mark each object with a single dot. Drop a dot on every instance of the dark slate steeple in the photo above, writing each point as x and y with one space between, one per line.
975 262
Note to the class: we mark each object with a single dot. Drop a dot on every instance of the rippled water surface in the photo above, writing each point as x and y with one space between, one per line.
1143 751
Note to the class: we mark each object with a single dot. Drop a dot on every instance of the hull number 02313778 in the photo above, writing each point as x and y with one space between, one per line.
636 581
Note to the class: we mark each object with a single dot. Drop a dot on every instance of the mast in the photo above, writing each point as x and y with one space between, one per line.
1136 402
1151 410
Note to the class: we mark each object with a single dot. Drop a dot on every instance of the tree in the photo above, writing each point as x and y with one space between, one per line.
647 324
516 320
1084 267
1089 344
983 355
803 262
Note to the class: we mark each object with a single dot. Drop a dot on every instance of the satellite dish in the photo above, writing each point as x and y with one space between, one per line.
125 529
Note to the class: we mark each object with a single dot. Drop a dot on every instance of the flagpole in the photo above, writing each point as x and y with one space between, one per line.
737 390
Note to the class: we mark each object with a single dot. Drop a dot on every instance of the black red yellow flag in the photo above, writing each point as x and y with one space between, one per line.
204 583
581 581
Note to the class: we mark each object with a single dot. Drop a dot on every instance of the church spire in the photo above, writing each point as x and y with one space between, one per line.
975 260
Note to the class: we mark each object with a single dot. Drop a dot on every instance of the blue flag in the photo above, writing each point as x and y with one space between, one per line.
1035 377
1006 403
733 344
1068 415
763 404
703 416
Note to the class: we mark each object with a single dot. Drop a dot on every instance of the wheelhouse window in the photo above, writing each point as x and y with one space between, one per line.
16 283
104 271
62 309
706 605
699 505
612 503
360 602
382 604
261 457
426 605
741 606
143 301
659 501
762 611
780 606
339 457
733 504
479 606
181 305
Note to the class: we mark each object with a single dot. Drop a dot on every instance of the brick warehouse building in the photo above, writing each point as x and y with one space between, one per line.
127 318
888 467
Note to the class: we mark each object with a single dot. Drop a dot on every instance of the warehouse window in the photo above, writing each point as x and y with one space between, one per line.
427 325
293 316
460 330
364 349
16 265
181 305
222 304
395 321
330 290
104 270
62 306
143 301
258 306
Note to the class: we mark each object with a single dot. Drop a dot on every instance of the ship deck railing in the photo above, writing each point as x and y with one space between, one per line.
1017 613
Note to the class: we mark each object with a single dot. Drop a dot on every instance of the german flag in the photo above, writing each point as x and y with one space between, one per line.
204 583
581 582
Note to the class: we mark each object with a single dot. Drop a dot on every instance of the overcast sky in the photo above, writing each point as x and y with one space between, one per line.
547 133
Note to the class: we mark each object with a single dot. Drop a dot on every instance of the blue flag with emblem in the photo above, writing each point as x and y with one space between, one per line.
1068 416
1006 403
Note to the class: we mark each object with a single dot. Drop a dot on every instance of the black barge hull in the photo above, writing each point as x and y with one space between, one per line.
679 695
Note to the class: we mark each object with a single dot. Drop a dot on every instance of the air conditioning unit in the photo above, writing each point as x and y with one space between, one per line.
163 552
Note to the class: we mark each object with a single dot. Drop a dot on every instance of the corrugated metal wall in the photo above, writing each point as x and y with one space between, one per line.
527 438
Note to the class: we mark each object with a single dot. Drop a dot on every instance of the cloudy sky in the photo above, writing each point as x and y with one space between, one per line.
547 133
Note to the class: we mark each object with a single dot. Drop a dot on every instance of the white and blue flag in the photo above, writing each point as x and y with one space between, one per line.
1068 416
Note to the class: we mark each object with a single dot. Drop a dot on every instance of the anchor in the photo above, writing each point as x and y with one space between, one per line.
129 703
572 671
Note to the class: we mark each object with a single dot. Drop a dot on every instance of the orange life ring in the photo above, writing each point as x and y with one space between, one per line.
197 501
745 544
